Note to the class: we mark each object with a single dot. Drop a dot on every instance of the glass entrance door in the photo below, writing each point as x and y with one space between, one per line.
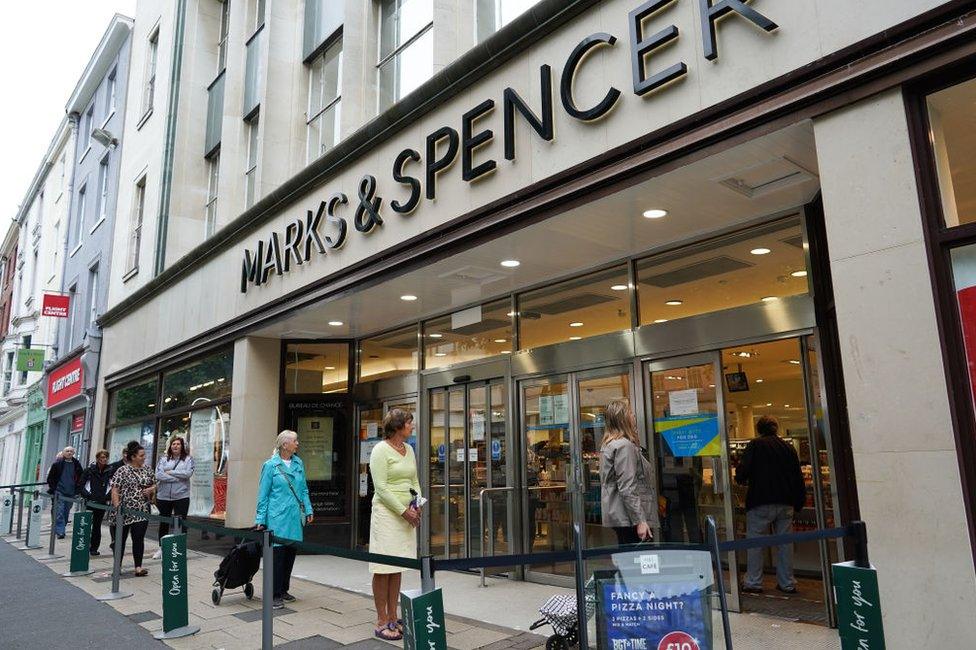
562 428
467 456
687 416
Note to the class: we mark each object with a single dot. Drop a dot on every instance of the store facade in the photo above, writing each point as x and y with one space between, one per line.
714 240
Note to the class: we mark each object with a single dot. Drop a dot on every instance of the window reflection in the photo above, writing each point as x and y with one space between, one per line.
393 354
494 14
595 304
406 57
953 137
316 368
754 266
469 334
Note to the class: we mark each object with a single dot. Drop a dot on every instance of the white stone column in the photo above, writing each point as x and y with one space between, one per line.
907 471
253 423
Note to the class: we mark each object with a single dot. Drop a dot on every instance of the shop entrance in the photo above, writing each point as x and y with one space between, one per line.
468 466
562 423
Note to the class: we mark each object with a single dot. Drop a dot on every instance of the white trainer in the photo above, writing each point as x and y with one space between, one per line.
158 554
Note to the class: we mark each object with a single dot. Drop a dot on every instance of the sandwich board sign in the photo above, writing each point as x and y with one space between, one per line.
858 607
423 617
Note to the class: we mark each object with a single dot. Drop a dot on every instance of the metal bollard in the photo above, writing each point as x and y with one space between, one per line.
20 512
50 545
116 594
427 574
582 629
717 553
267 592
32 539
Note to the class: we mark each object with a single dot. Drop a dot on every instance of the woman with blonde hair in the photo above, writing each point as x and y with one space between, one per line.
628 500
284 508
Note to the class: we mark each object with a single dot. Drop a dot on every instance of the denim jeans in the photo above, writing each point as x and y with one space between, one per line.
61 516
758 522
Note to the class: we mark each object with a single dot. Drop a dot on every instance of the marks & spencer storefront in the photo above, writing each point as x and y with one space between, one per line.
718 220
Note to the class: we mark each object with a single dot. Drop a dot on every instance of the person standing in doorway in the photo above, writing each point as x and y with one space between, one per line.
133 488
628 498
173 472
770 467
395 517
283 507
64 479
95 488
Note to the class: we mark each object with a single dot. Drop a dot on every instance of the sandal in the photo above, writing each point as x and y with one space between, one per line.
140 573
387 633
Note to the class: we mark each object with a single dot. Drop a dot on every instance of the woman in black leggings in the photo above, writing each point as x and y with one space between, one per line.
173 472
133 486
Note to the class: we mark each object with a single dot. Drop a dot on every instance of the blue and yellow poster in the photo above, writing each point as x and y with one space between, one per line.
691 435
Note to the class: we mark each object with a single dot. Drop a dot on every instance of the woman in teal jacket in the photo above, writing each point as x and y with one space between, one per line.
284 508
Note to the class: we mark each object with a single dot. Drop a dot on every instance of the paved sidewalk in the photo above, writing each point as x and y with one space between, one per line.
323 617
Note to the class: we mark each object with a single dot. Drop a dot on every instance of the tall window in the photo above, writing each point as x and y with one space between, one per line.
135 225
33 275
72 314
494 14
25 344
91 308
79 224
213 174
250 169
222 40
258 14
8 372
110 98
102 188
86 129
56 255
406 57
324 83
64 169
149 90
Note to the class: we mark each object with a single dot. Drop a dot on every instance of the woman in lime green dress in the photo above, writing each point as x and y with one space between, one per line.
394 519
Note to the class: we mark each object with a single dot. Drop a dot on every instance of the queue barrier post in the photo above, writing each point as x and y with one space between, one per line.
116 593
81 530
51 555
176 613
581 627
720 578
427 574
267 591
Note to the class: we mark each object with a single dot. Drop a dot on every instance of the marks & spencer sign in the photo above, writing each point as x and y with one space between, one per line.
325 227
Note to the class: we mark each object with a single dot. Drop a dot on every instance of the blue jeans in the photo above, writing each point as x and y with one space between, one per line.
758 522
61 516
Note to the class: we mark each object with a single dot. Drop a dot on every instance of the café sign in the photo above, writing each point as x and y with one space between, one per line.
325 228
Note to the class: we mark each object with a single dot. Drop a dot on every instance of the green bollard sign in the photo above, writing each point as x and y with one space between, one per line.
176 617
423 618
80 543
858 607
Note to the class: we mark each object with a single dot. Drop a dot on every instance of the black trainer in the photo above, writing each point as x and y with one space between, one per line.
752 590
288 598
277 603
94 553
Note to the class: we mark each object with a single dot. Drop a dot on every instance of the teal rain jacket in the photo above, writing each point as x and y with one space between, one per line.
277 507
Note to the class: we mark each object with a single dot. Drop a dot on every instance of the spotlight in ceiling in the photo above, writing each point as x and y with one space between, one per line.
575 338
510 264
330 367
576 324
656 213
770 298
619 287
661 320
436 336
506 351
799 274
408 297
760 251
440 354
336 323
500 340
759 381
674 303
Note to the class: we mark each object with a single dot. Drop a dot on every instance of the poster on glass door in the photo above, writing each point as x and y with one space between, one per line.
201 445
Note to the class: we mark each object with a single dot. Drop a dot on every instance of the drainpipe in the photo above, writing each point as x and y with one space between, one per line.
169 142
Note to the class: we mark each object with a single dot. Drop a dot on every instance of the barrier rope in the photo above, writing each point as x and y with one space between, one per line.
364 556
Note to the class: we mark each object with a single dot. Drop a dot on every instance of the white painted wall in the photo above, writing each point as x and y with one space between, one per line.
905 459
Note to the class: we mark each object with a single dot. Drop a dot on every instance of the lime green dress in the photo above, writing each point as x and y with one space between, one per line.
393 478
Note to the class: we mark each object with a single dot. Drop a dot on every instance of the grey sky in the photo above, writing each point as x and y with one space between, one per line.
44 47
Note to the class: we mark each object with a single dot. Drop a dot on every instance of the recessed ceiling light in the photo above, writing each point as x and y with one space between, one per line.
674 303
760 251
769 403
510 264
711 385
576 324
619 287
510 314
330 367
661 320
408 297
440 354
335 323
799 274
500 340
786 406
759 381
575 338
436 336
795 362
770 298
656 213
506 351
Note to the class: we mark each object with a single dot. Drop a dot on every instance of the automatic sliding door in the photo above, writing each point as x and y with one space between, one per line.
477 459
457 453
437 459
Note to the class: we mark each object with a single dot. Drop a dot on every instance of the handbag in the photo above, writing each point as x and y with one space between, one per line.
301 504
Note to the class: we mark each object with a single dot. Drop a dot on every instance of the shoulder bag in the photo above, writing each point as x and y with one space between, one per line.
301 504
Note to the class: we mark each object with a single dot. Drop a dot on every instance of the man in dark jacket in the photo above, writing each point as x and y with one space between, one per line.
64 478
95 487
771 469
